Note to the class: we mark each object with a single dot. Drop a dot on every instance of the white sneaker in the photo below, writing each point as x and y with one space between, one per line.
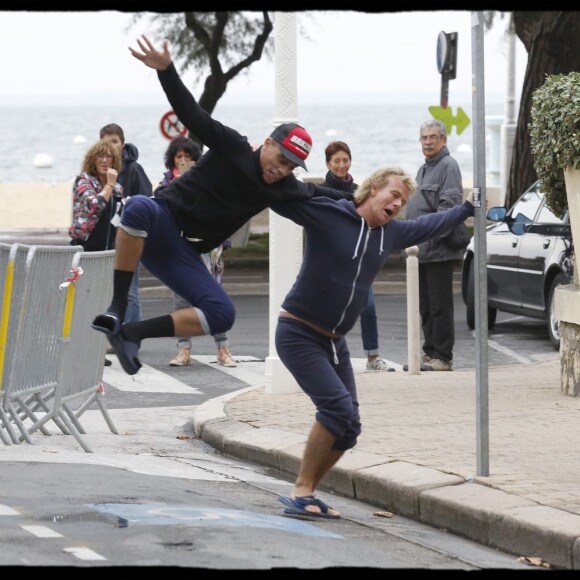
379 364
425 358
182 359
224 358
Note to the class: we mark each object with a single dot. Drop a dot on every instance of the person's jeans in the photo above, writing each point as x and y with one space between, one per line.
133 313
368 326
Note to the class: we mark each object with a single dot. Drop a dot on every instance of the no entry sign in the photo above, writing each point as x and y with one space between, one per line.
170 126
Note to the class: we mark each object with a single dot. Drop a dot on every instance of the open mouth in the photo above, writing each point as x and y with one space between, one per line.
389 212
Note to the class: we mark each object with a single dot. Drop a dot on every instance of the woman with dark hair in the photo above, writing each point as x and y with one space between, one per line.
338 161
183 150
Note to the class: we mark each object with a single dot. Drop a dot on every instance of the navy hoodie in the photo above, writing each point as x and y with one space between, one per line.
343 255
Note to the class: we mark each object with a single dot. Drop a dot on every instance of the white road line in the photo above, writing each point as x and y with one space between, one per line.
508 352
41 532
84 554
7 511
147 380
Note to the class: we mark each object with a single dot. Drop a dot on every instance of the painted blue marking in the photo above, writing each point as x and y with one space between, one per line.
158 514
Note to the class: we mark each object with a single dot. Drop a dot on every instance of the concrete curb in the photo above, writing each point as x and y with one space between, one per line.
469 508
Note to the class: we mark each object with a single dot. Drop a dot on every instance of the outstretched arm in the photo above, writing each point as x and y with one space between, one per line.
153 58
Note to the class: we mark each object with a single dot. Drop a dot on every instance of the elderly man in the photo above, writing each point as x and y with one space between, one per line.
439 188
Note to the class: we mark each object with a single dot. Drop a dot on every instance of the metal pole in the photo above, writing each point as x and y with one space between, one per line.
285 236
480 258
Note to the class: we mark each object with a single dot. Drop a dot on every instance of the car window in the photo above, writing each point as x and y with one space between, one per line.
546 216
526 207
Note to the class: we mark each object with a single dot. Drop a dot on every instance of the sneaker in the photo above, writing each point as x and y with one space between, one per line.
436 364
379 364
425 358
224 358
182 359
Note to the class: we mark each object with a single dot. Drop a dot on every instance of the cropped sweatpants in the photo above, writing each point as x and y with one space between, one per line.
322 368
175 261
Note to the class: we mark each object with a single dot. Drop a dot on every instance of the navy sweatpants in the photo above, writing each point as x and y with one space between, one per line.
175 261
322 368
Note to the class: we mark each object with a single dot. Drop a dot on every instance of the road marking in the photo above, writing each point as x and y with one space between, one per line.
84 554
42 532
147 380
508 352
252 370
164 515
7 511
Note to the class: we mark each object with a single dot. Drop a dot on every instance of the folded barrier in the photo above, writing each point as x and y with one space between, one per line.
49 355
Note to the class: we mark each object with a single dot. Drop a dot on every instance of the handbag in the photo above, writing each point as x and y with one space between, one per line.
458 239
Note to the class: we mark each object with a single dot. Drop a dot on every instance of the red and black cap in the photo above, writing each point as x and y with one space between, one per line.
295 141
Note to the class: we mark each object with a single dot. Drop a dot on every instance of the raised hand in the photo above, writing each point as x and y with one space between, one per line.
153 58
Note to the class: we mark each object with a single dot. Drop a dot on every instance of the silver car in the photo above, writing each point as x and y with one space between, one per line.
529 254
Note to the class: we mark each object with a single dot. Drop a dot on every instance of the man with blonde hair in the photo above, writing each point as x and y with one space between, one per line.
347 244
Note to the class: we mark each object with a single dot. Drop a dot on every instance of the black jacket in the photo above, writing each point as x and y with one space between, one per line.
224 189
132 176
335 182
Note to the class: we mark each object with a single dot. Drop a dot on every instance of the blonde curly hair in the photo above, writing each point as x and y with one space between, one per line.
89 164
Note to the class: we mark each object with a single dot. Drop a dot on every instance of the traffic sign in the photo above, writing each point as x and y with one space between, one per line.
445 114
171 126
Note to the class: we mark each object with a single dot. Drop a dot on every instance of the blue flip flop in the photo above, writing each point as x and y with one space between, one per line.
126 351
296 507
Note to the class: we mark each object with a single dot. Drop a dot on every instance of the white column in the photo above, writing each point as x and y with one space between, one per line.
285 235
508 128
413 315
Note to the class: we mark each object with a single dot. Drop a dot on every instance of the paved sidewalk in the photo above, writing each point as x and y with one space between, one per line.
417 455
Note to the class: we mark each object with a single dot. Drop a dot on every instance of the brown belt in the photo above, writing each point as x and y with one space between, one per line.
285 314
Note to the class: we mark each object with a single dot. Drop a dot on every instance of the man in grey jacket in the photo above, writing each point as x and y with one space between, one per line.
439 188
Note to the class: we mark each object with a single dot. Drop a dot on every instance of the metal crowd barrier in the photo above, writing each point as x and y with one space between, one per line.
49 355
82 369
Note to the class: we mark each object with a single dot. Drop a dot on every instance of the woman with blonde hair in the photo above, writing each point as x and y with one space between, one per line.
97 199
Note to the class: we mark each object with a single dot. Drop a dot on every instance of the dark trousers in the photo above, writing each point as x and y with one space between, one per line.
322 368
436 308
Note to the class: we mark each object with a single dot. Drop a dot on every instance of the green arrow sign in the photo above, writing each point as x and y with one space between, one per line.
461 120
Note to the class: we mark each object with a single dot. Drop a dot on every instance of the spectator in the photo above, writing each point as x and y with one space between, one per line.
439 188
97 200
134 182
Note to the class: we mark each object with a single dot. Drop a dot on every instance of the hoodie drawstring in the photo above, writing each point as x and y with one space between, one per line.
382 238
334 351
362 227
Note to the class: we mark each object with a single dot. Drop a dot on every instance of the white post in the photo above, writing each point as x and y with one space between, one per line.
493 126
508 129
413 317
285 236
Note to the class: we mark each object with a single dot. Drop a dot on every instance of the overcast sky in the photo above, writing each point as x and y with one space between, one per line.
83 57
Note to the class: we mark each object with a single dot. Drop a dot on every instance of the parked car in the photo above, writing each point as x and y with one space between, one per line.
529 254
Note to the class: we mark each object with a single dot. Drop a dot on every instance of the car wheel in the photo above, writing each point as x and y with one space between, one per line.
470 303
553 322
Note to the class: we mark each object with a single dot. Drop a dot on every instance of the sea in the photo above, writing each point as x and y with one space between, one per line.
378 135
